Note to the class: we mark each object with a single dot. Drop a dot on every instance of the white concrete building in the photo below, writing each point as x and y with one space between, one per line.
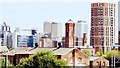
5 31
24 40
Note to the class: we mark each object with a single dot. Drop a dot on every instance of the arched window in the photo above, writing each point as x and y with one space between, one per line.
79 58
97 63
103 63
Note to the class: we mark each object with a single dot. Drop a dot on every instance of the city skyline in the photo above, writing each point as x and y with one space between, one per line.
20 14
78 33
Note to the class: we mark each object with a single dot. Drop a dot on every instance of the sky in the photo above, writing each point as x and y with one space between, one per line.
33 13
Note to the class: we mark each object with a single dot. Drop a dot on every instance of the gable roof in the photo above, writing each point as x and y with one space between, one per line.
92 58
18 50
62 51
31 50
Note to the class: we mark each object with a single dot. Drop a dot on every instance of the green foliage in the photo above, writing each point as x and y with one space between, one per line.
2 62
87 52
109 54
99 53
11 49
43 59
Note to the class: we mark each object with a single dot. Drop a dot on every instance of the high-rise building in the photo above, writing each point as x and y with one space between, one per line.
102 26
80 33
80 28
69 33
54 28
119 25
5 38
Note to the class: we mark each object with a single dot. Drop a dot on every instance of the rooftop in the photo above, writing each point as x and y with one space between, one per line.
93 58
84 47
31 50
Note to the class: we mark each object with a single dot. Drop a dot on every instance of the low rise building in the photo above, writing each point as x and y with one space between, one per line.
98 62
72 56
87 47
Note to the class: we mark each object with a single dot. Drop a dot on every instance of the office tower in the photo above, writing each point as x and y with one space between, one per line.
54 28
102 26
80 33
25 40
5 38
80 28
119 25
69 33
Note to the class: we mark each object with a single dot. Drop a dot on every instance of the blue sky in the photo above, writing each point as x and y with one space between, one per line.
32 13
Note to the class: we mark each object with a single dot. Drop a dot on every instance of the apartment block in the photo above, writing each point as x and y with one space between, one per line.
102 34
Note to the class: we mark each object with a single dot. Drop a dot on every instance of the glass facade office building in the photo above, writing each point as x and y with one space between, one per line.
25 41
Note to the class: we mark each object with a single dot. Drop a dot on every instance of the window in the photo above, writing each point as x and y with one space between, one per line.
103 63
97 63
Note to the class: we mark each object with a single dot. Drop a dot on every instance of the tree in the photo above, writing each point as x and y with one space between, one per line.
2 62
87 52
99 53
43 59
109 55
